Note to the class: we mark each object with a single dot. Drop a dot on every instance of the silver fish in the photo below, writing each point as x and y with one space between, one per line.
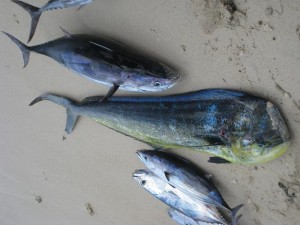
185 176
104 61
35 12
182 219
176 199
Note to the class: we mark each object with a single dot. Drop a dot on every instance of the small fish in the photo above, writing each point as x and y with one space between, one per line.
36 13
185 176
176 199
106 62
182 219
235 126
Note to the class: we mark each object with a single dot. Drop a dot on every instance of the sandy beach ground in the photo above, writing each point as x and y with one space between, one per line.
86 178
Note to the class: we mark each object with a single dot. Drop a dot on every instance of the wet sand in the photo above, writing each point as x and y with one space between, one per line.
48 177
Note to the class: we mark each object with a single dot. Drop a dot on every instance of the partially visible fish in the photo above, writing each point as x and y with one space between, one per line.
182 219
106 62
174 198
35 12
238 127
185 176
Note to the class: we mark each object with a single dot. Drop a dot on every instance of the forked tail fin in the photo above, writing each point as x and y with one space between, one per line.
234 211
68 104
24 48
34 13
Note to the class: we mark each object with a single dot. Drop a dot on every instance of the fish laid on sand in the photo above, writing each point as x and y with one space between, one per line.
186 177
178 200
106 62
183 175
238 127
36 12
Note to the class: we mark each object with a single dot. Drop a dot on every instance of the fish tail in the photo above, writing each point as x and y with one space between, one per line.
24 48
35 14
234 211
68 104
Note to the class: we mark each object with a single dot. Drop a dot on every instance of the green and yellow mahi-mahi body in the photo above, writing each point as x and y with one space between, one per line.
235 126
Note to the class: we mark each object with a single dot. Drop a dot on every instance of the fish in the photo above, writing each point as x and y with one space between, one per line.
236 126
178 200
187 177
36 12
104 61
182 219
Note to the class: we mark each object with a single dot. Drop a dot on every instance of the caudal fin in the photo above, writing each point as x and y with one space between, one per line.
234 211
24 48
34 13
71 116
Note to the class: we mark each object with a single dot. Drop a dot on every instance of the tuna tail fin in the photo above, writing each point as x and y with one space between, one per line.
34 13
68 104
24 48
234 211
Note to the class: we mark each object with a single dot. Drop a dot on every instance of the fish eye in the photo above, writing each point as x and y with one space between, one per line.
143 182
145 157
157 84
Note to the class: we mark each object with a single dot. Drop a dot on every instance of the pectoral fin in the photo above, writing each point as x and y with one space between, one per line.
111 92
167 175
218 160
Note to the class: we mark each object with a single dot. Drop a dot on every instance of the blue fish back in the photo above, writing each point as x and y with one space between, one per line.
207 94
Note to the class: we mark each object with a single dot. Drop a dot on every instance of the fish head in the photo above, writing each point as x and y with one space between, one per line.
140 176
149 159
144 80
267 139
155 161
149 180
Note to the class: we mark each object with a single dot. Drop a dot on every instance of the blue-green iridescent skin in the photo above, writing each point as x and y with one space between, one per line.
236 126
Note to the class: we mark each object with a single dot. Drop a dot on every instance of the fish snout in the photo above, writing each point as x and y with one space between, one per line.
139 174
141 155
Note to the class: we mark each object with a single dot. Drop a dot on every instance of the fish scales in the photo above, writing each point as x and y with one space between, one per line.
228 126
177 199
105 61
188 119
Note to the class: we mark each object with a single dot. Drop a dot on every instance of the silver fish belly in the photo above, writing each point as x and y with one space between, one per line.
182 219
186 177
177 199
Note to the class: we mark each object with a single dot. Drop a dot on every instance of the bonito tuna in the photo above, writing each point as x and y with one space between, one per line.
36 12
106 62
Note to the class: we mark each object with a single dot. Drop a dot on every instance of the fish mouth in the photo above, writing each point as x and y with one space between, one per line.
138 174
139 153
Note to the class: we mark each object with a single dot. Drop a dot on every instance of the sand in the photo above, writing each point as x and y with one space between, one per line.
86 178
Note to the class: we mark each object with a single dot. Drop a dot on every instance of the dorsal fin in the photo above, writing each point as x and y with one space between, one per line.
67 34
102 46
